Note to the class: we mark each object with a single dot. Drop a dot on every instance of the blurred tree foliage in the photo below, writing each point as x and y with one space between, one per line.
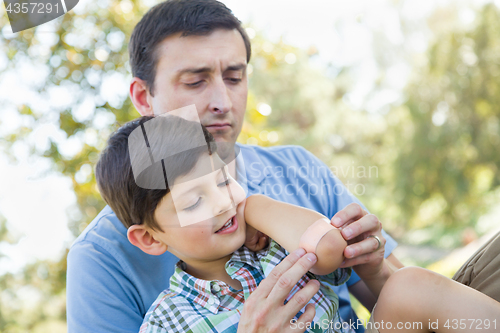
431 162
446 171
32 300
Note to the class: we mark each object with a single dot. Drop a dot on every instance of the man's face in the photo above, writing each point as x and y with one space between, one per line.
208 71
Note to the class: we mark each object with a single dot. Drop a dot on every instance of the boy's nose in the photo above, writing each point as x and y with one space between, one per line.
224 202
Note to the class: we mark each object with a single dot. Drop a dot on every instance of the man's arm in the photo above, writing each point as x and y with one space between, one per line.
361 291
330 198
96 301
110 282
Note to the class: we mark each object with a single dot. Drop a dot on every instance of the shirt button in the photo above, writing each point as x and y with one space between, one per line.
211 301
216 287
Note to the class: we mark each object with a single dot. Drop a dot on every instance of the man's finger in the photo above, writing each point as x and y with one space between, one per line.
306 317
363 259
351 212
301 297
367 246
290 278
366 223
267 285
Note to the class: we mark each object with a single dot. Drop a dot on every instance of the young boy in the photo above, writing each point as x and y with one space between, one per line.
216 273
190 205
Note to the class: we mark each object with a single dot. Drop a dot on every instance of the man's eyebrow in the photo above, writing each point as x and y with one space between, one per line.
194 70
237 67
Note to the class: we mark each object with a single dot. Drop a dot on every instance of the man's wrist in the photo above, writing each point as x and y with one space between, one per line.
375 280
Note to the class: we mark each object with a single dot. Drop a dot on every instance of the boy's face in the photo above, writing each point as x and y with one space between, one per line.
203 216
208 71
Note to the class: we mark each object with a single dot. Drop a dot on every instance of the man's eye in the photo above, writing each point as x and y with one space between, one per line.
195 84
224 183
192 207
234 80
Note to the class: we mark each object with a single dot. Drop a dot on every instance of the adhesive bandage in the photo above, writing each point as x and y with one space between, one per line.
311 237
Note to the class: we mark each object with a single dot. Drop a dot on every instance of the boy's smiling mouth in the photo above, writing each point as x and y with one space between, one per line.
230 226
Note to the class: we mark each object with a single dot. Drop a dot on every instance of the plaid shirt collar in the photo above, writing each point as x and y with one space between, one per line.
205 292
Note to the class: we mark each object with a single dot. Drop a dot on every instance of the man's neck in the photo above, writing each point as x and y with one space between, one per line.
227 152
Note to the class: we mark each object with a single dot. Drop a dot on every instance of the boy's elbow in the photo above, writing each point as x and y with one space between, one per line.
330 253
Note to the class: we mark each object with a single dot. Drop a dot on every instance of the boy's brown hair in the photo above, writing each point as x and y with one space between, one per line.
131 203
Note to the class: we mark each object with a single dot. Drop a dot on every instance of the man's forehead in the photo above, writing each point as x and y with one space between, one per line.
206 51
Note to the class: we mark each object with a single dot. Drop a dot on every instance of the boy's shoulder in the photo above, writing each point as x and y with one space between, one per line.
160 313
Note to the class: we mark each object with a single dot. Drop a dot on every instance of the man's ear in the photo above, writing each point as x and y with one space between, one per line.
141 237
141 97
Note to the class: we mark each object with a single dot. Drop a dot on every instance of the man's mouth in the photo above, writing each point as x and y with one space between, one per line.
227 225
218 126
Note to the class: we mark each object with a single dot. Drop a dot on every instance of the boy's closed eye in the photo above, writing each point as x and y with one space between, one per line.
198 201
193 207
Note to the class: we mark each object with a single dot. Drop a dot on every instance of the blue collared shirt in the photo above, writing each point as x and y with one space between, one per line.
111 283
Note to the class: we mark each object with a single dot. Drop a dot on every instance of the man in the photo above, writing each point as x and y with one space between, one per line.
182 53
187 52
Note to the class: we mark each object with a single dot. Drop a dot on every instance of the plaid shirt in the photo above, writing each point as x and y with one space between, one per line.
199 306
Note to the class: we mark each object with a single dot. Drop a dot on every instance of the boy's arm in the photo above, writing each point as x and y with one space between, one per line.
286 223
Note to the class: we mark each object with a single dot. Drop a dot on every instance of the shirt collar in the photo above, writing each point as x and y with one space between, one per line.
200 291
193 289
250 167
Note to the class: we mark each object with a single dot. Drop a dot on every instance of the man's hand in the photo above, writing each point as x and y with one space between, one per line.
255 240
362 251
265 312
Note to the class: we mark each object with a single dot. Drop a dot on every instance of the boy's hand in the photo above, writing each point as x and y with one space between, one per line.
255 240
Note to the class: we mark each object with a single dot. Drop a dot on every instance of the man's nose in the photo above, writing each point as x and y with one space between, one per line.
220 100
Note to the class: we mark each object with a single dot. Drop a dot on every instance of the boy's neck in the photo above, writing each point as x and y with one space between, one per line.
212 270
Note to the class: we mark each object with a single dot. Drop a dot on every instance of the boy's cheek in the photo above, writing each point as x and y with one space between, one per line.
240 210
239 195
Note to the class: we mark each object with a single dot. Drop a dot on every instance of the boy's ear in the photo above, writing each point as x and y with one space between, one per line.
141 237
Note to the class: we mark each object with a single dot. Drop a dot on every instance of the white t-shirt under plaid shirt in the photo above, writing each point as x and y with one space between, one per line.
199 306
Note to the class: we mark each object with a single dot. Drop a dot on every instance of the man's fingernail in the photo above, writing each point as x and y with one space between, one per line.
347 233
300 252
311 257
336 220
349 253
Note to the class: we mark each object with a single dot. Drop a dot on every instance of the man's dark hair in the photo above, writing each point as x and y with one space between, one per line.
189 17
115 178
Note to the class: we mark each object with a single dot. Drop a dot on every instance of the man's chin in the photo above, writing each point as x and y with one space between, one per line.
225 149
